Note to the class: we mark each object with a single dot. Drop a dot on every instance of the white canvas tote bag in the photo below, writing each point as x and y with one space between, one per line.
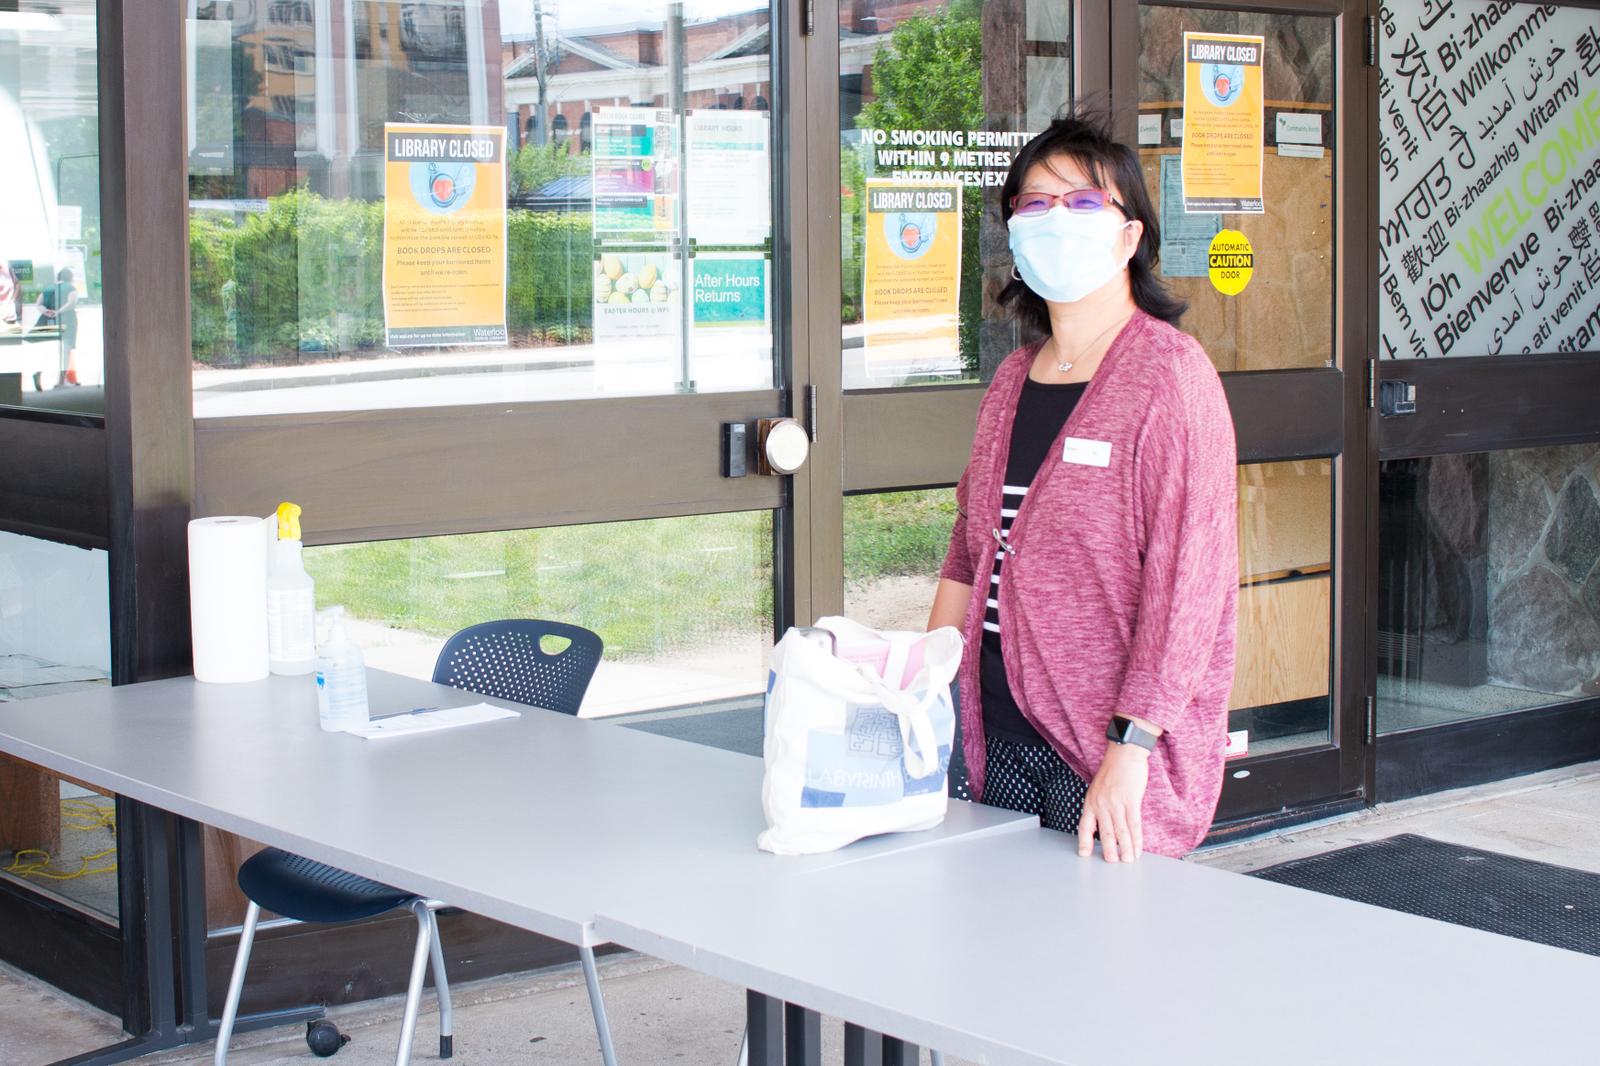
859 725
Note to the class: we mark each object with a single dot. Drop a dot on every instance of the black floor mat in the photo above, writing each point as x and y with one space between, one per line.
1485 890
738 728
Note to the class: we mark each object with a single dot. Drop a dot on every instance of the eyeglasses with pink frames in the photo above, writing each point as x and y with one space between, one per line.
1078 201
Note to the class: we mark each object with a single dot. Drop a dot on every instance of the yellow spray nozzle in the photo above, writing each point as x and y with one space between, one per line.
288 521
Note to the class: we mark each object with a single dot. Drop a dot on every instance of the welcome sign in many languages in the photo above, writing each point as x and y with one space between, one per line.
1489 197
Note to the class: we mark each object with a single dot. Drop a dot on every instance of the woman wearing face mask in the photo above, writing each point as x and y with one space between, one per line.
1093 568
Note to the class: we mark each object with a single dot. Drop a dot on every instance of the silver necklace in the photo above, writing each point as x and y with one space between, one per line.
1066 367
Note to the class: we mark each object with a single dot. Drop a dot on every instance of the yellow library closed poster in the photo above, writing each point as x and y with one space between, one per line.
911 279
1223 111
444 235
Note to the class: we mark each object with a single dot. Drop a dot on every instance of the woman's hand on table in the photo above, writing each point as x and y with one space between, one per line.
1112 805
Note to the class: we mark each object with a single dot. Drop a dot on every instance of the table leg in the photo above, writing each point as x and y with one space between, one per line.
802 1036
862 1047
764 1018
168 1008
195 1013
145 846
899 1053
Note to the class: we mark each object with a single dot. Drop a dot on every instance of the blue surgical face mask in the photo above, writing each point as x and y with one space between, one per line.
1064 256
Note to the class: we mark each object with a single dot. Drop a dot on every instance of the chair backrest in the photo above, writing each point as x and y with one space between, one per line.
504 660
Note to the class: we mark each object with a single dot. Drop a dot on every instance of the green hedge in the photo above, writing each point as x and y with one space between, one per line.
551 260
210 285
304 279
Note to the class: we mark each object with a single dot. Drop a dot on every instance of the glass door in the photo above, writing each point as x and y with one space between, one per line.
934 98
1257 229
431 213
494 276
922 248
1487 585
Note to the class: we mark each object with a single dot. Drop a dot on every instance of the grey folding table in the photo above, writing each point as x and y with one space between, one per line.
988 938
1012 949
538 821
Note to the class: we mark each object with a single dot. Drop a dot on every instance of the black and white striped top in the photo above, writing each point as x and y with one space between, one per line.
1010 502
1042 411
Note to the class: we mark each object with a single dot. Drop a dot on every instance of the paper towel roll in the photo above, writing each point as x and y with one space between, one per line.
228 598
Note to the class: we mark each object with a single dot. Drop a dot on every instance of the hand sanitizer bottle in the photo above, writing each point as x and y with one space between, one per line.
291 601
341 677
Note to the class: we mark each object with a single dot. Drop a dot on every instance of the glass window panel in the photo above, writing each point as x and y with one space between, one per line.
636 169
684 606
935 95
1489 584
55 637
1283 671
50 321
894 543
1488 199
1284 317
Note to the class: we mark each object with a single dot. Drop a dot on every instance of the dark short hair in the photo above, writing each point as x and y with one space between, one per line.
1085 138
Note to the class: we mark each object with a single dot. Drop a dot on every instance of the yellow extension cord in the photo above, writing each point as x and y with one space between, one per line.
84 816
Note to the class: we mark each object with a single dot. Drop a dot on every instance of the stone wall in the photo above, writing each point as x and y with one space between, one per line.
1544 569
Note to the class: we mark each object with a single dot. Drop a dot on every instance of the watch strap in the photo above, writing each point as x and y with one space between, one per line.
1122 730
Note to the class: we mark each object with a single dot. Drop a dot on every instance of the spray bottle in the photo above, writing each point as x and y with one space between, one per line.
291 601
341 676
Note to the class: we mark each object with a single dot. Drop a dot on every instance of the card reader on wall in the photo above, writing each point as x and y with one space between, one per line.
735 449
1397 397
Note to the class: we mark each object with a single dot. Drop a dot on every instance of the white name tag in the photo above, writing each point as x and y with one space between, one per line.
1086 452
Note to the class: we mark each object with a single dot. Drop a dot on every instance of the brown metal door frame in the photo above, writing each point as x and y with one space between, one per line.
915 438
908 438
1299 784
816 374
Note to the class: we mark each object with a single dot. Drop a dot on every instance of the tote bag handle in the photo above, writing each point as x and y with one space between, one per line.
921 757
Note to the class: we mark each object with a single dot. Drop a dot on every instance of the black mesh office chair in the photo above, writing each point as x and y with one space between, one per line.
505 660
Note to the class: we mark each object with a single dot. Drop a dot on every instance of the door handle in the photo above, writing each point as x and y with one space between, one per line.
1396 397
782 446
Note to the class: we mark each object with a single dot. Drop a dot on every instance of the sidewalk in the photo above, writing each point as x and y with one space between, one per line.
664 1014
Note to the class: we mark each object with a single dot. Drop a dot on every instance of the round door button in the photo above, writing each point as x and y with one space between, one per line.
785 444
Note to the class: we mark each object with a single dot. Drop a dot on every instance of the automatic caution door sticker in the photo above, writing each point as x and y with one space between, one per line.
1231 261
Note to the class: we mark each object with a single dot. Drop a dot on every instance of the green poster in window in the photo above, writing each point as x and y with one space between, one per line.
730 290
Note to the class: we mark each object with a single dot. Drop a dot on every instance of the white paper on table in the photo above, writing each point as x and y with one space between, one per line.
409 723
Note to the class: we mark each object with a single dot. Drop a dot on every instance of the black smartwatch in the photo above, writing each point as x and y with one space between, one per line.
1122 730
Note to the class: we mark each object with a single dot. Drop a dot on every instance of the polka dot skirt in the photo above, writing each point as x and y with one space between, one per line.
1031 778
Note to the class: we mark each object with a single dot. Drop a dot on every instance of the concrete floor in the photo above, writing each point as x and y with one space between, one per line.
1552 817
665 1014
39 1024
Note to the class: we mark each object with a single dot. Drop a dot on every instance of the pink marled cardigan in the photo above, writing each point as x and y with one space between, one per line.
1121 594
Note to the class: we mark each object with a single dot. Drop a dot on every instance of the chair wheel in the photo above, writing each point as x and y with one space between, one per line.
324 1038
